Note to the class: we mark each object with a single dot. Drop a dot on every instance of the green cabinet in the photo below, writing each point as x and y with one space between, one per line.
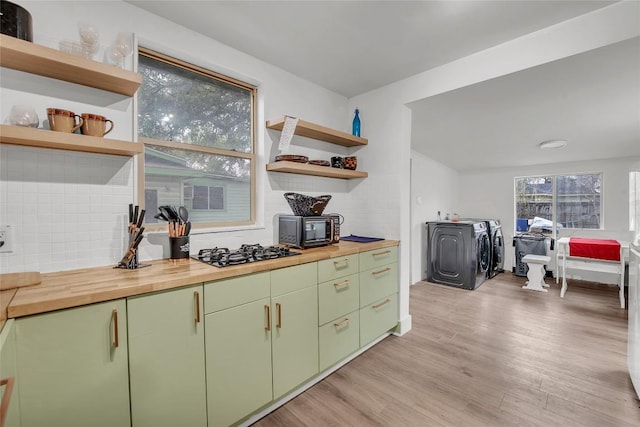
294 316
378 293
238 347
295 339
9 374
333 268
338 297
338 339
167 358
73 367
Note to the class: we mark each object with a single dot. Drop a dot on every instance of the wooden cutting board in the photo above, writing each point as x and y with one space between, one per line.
19 280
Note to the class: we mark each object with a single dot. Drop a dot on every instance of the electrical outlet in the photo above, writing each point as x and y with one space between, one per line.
6 239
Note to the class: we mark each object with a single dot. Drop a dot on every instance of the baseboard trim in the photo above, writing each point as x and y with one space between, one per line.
404 326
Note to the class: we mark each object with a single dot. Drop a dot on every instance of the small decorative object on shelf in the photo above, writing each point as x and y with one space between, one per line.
355 130
63 120
95 125
351 162
24 115
307 205
135 229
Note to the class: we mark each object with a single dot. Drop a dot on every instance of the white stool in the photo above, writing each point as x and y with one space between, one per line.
536 272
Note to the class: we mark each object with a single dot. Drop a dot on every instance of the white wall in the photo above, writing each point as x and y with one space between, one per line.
434 187
68 210
490 194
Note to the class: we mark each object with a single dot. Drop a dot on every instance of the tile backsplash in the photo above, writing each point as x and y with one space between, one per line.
66 209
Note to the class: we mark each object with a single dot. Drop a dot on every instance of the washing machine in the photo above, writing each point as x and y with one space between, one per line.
458 253
496 240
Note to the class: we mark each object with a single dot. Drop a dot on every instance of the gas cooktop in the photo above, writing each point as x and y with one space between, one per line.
223 257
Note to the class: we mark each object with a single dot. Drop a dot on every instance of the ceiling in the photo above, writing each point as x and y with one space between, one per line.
351 47
591 100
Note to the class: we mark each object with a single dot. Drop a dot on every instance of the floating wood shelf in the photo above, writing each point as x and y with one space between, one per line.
35 59
321 133
307 169
31 137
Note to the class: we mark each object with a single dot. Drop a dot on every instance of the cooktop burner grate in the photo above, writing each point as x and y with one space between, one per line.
223 257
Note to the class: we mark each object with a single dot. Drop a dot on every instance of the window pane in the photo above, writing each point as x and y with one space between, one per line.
578 204
186 178
534 203
180 105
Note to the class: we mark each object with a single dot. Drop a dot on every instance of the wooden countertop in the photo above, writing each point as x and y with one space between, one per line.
91 285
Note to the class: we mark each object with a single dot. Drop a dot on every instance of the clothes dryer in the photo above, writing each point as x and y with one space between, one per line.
458 253
496 240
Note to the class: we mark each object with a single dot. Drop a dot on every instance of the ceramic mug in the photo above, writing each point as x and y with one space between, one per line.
351 162
337 162
63 120
95 125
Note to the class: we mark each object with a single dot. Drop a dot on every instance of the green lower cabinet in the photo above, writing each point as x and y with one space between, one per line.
238 362
338 297
166 359
338 339
378 282
8 372
378 318
73 367
295 339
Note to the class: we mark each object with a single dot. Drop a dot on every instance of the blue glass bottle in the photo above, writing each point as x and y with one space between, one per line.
355 130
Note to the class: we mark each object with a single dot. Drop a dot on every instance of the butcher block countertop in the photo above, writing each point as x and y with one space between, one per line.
91 285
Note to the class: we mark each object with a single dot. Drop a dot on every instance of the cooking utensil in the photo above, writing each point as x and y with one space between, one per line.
165 212
140 218
187 228
184 214
160 216
135 214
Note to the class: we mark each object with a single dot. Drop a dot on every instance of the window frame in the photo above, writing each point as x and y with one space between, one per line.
554 196
251 156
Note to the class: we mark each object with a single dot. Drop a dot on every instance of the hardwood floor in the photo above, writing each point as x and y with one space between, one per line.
496 356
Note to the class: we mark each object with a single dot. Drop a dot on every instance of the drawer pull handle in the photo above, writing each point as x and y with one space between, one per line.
343 261
196 296
384 270
377 306
4 407
381 253
267 311
114 319
342 323
342 284
279 313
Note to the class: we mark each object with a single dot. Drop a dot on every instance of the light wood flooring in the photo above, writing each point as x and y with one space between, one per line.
496 356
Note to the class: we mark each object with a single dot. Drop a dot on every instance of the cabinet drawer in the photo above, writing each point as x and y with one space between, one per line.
338 297
378 283
377 318
228 293
338 339
378 257
291 279
329 269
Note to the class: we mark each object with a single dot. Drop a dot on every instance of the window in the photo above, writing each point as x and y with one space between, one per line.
198 131
575 200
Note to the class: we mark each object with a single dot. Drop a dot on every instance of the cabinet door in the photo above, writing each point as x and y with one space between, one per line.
73 367
339 338
295 339
8 372
238 349
166 359
377 283
378 318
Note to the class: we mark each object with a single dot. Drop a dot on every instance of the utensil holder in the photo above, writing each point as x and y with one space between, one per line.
179 247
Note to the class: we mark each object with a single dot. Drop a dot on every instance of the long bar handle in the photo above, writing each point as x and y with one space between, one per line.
377 306
196 296
114 318
267 311
384 270
4 407
342 261
342 284
279 313
341 323
381 253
